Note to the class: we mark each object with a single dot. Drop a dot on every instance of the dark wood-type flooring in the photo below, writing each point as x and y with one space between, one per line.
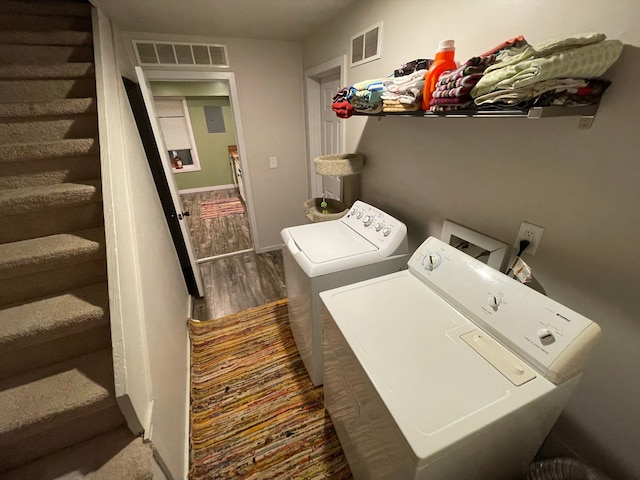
239 282
232 283
215 236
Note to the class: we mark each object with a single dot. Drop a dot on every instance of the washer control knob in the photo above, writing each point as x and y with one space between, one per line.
494 302
378 227
431 261
367 220
545 336
386 232
359 215
353 211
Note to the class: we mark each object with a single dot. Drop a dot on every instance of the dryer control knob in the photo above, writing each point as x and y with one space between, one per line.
494 301
378 227
367 220
546 337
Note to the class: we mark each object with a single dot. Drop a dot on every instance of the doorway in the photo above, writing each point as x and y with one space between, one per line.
220 220
325 132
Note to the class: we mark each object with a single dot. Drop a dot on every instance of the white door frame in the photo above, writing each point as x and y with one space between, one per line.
312 78
198 76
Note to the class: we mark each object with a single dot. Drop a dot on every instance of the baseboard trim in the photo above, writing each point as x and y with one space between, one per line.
207 189
270 248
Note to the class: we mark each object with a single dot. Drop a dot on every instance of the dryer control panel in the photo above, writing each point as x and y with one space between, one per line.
552 338
381 229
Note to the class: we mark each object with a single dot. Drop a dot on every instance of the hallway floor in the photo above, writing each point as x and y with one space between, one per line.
219 235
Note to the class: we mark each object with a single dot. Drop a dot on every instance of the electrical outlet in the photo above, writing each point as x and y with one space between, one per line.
531 232
273 162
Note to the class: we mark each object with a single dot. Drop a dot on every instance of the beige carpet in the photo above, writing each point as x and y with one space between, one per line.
254 412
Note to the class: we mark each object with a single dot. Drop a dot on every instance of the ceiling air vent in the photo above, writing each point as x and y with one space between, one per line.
177 53
366 45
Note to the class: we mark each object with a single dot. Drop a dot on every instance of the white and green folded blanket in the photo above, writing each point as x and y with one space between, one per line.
578 57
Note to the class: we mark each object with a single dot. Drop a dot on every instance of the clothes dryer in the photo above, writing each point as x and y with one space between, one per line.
365 243
449 370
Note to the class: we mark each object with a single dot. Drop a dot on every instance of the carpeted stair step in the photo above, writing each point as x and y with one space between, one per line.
54 407
23 200
65 106
58 127
16 21
27 90
39 267
40 223
50 318
113 455
73 147
48 172
46 8
16 54
66 37
38 255
52 329
48 71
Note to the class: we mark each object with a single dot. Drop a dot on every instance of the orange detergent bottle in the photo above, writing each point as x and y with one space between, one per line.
444 61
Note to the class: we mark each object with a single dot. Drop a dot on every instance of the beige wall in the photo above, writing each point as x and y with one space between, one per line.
148 299
269 80
490 174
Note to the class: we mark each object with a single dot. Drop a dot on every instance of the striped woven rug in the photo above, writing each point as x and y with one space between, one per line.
221 207
254 412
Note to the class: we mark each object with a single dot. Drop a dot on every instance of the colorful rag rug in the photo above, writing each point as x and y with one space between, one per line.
221 207
254 412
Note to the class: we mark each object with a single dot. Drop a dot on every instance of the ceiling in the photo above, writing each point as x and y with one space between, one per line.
263 19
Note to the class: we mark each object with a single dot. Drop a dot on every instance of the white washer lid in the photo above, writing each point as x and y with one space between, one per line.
326 241
407 339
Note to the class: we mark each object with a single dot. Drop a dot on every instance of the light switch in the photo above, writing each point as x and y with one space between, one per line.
273 162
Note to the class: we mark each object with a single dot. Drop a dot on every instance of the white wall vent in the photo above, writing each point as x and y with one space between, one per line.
149 52
366 45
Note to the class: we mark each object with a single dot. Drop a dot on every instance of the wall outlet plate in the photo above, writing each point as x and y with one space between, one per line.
531 232
273 162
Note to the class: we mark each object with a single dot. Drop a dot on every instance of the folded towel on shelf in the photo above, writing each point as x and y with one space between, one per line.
342 109
414 65
547 48
369 90
589 61
406 90
341 95
397 106
517 95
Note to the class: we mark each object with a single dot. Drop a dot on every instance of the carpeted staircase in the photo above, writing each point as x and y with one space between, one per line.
58 412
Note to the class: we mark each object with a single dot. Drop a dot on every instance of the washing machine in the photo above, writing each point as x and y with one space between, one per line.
449 370
364 243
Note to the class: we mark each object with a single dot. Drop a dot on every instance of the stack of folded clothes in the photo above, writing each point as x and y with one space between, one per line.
404 93
453 89
341 105
365 96
559 72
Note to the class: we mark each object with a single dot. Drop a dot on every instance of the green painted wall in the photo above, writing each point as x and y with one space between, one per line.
212 147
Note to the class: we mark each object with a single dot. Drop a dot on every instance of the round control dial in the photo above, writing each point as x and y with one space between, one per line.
367 220
386 232
431 261
494 301
378 227
359 215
